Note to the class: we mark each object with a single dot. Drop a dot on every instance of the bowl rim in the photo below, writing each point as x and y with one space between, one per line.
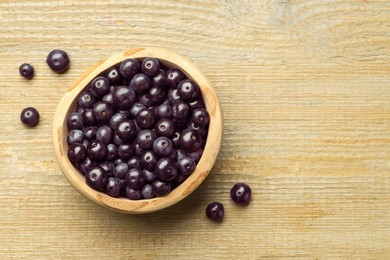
204 166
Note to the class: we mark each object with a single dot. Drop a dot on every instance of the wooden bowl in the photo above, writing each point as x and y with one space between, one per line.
68 104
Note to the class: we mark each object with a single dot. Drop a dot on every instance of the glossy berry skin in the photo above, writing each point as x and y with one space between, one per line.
113 187
150 176
156 96
161 188
136 108
89 118
173 96
164 111
120 170
29 116
135 178
165 127
241 193
100 86
150 67
145 138
196 155
77 153
112 152
140 83
116 119
166 169
199 103
200 117
113 75
188 90
90 132
133 194
102 111
146 118
86 100
108 98
96 178
86 165
162 146
123 97
75 136
134 162
104 134
129 68
173 77
26 70
108 167
58 61
180 110
75 121
147 191
148 160
159 79
125 151
97 151
215 211
190 140
126 130
176 139
186 165
145 100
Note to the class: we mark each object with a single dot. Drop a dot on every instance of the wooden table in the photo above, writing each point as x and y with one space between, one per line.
305 91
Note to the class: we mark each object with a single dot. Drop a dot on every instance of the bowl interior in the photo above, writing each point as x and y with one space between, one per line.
68 104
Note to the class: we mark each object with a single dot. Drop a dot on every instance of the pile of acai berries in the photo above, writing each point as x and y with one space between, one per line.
139 129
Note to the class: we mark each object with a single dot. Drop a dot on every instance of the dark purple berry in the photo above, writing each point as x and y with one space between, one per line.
109 98
144 100
200 117
241 193
150 67
86 100
116 119
162 146
86 165
136 108
96 178
108 167
124 97
176 139
190 140
113 187
29 116
126 130
112 154
134 163
159 80
161 188
90 132
75 136
133 194
104 134
215 211
145 139
140 83
100 86
173 77
97 151
156 96
186 165
125 151
165 127
150 176
89 118
135 178
146 118
173 96
58 61
164 110
148 160
147 191
198 103
26 70
102 111
75 121
77 153
180 110
201 130
129 68
114 76
188 90
120 170
196 155
166 169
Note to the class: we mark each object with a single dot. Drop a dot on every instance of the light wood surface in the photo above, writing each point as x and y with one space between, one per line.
304 87
68 105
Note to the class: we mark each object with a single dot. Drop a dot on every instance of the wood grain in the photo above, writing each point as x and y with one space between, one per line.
304 90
